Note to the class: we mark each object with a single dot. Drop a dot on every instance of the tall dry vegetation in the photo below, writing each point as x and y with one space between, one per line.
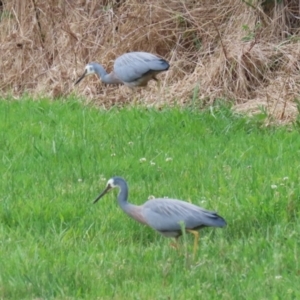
247 52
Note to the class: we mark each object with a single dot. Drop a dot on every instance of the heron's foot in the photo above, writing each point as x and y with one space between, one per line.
174 245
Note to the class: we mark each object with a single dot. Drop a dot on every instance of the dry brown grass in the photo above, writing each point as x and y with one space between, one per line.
246 52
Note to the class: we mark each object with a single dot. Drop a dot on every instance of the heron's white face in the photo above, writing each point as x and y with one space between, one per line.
110 183
89 70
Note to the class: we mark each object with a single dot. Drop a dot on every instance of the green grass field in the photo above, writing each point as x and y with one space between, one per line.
55 244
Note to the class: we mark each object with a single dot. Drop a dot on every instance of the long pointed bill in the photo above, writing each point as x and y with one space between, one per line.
102 194
80 78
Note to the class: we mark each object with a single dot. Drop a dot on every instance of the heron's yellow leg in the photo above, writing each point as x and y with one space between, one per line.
176 244
158 84
196 239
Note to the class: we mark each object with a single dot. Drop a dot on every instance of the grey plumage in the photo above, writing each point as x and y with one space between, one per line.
163 214
132 69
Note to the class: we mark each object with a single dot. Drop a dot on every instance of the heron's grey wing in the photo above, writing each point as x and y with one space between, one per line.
166 215
131 66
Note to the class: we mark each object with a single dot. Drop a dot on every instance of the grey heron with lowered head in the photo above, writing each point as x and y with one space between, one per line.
165 215
132 69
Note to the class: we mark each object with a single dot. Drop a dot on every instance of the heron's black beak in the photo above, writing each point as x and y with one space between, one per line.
108 188
81 77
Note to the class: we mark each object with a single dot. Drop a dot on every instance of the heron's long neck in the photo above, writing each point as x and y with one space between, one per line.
105 77
110 79
130 209
122 199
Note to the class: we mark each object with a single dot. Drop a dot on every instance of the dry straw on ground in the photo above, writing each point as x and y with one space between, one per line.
246 52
